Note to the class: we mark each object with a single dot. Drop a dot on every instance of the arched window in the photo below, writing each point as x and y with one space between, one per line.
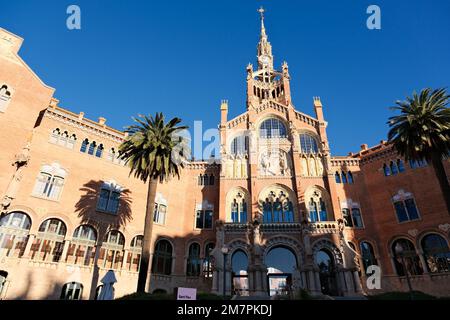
239 145
62 138
337 177
99 151
5 97
50 182
82 247
386 170
407 259
400 165
3 276
109 197
135 252
193 260
436 253
277 208
239 265
344 177
14 230
111 252
367 255
327 272
239 209
317 208
162 258
350 177
272 128
207 266
211 179
72 291
49 243
92 147
308 143
84 145
393 166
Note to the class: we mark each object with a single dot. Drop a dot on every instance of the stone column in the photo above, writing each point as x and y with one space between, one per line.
357 280
30 241
65 249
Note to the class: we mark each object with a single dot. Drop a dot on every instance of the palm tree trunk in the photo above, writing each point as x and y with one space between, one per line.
148 230
441 175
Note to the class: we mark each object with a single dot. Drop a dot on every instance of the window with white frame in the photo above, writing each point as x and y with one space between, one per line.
63 138
405 206
135 252
81 250
49 243
109 197
112 250
72 291
351 214
50 182
159 215
5 97
14 230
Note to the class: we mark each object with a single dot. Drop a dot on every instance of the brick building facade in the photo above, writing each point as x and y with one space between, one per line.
290 215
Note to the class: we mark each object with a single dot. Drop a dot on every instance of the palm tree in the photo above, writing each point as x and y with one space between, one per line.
422 131
154 151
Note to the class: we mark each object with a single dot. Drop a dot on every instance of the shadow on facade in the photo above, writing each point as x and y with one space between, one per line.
52 293
88 212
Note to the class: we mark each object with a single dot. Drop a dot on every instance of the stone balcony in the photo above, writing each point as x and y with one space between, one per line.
325 227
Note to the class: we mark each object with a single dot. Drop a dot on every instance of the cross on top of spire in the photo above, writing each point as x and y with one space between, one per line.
261 12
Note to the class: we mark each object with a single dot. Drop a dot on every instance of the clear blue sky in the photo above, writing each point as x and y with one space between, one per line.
183 57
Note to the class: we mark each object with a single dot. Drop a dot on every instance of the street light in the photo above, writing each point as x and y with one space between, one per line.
399 250
224 252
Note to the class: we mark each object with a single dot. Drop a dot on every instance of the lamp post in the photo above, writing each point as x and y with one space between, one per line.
225 253
399 250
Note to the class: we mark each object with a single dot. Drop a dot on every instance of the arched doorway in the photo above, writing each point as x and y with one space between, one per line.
281 263
327 272
239 266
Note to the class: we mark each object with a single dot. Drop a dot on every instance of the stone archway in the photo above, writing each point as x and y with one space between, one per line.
283 257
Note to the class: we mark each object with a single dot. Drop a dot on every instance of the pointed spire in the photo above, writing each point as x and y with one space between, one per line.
265 58
263 28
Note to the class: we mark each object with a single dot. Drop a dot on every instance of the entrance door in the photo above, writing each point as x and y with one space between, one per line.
327 273
281 263
239 264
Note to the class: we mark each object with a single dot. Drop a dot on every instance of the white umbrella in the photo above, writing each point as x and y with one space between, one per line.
107 290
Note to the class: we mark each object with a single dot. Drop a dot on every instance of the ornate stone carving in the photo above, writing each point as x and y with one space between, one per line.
413 232
274 163
444 227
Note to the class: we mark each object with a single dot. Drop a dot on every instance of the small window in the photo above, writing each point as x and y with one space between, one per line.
344 177
337 177
72 291
350 177
5 97
386 170
394 169
92 147
204 219
400 165
109 198
99 151
240 145
159 216
84 145
406 210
